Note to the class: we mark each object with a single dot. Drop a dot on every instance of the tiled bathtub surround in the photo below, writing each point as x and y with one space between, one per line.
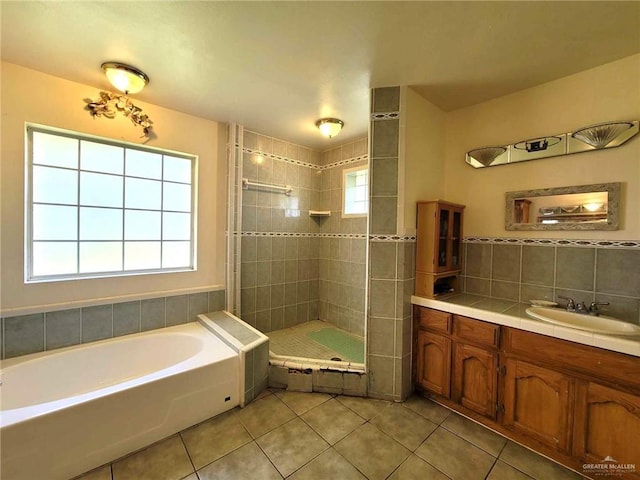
294 267
38 332
583 270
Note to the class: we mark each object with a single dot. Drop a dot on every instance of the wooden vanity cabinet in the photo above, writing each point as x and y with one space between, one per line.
475 379
457 358
538 403
575 403
475 365
434 363
597 434
433 350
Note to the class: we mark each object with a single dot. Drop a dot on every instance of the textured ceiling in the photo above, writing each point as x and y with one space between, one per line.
276 67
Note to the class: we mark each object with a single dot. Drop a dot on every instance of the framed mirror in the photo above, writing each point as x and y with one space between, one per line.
581 207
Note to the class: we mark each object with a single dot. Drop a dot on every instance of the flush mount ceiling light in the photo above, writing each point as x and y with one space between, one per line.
330 127
129 80
486 155
124 77
599 136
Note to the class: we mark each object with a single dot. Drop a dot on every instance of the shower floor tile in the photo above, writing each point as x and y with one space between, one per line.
295 342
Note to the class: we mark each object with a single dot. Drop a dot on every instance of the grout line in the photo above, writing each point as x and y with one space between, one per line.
187 450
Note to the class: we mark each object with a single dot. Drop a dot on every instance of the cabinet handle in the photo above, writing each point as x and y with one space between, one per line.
499 407
502 370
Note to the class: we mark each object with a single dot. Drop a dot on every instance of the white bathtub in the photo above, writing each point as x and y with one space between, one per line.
67 411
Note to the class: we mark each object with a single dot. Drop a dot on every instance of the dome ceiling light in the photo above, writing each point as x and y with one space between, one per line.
125 78
128 80
330 127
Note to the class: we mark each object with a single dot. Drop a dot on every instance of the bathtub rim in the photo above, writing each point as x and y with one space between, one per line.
15 416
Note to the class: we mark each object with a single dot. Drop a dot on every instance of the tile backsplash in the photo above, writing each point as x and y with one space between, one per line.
519 271
24 334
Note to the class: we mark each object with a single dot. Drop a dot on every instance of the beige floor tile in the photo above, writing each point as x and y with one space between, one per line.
502 471
330 465
292 445
214 438
367 408
372 452
166 460
193 476
454 456
102 473
415 468
404 425
535 465
301 402
430 410
480 436
332 420
245 463
262 416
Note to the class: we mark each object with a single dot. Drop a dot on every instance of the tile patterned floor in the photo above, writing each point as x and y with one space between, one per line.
315 436
294 342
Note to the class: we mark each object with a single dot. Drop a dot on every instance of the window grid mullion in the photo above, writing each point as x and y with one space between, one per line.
162 214
79 205
78 171
124 200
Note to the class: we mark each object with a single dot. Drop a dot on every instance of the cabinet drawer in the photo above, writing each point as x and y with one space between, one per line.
476 331
434 320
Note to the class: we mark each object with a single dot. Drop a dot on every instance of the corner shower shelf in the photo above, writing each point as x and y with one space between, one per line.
319 213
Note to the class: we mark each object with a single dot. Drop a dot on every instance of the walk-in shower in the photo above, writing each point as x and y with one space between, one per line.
297 257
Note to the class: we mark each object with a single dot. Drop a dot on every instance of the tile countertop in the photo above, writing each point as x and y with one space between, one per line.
512 314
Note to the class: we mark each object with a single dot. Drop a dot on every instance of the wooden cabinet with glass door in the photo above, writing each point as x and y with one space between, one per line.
438 248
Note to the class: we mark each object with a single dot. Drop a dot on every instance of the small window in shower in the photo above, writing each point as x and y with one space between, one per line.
355 188
98 208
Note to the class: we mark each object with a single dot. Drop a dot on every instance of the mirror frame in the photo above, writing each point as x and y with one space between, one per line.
613 206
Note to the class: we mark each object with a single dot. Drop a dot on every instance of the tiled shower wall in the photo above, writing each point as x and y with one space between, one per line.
514 269
24 334
342 243
280 247
296 267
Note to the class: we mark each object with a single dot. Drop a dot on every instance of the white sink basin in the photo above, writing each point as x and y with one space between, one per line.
590 323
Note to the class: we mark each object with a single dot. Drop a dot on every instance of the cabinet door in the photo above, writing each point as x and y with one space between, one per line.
456 239
443 258
475 378
537 403
607 426
434 363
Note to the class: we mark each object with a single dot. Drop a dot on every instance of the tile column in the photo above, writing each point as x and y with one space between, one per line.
391 259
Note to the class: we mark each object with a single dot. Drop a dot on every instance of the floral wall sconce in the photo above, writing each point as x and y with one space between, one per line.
128 80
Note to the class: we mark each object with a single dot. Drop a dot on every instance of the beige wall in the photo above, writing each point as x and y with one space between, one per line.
606 93
424 154
30 96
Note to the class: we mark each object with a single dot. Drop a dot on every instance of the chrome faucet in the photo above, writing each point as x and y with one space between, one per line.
593 308
581 308
571 305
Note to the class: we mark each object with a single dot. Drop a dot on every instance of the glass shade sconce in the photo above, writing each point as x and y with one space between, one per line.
587 139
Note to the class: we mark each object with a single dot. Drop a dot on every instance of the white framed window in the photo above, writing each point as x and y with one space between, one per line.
355 192
97 207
